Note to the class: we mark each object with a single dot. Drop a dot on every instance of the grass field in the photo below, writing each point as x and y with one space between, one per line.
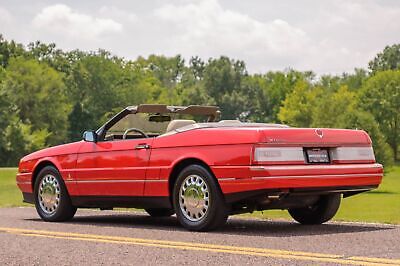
381 205
10 195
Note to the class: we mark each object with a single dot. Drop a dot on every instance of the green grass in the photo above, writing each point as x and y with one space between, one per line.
10 195
381 205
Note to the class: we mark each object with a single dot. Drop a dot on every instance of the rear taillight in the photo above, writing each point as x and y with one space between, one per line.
279 155
352 154
296 155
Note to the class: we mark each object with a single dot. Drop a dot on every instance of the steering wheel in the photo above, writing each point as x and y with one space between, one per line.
134 130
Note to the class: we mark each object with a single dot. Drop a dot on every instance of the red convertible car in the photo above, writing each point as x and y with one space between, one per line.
159 158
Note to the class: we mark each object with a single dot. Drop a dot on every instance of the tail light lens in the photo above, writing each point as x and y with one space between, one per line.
352 154
296 155
278 155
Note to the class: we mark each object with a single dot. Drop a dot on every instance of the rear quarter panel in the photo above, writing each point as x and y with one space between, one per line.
215 147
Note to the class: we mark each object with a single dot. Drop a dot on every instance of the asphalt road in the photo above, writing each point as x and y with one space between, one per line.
134 238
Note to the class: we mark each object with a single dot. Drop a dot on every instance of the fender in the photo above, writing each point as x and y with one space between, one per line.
65 165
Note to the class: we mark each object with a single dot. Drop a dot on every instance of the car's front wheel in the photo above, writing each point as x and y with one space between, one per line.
198 201
52 201
320 212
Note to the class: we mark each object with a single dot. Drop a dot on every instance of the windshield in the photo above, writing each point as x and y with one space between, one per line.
132 126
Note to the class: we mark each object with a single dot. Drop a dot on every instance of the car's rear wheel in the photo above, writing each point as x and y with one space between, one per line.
52 200
198 201
320 212
160 212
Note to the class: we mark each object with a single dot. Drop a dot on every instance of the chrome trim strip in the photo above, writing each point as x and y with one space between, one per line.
227 179
113 168
24 171
257 168
349 190
311 176
156 180
24 182
314 166
119 181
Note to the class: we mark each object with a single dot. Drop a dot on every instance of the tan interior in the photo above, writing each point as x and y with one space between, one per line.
178 123
229 121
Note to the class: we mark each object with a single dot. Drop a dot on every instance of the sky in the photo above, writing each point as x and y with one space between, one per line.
327 37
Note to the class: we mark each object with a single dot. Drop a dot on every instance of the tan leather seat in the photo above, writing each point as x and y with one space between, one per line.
230 121
178 123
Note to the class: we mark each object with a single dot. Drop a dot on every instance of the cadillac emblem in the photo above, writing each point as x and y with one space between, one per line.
319 132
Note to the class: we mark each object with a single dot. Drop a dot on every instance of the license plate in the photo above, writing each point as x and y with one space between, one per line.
317 155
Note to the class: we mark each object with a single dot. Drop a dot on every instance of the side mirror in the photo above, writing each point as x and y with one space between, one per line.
90 136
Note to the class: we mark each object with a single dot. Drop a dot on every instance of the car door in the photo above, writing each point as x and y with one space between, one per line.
113 168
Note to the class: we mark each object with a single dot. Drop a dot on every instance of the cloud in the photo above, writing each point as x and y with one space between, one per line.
62 20
323 36
5 17
206 28
348 34
115 12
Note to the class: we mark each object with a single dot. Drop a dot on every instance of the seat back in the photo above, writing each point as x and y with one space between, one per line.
178 123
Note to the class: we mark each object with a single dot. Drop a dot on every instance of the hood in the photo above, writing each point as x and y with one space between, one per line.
69 148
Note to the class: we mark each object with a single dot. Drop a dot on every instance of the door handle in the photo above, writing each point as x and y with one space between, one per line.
142 146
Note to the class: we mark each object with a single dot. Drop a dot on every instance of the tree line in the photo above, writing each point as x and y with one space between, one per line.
49 96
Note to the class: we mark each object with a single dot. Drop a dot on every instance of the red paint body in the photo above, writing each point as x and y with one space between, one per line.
116 168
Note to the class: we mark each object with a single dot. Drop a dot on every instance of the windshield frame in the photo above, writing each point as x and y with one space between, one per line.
211 112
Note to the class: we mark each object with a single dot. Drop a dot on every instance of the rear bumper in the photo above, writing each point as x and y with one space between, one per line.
236 179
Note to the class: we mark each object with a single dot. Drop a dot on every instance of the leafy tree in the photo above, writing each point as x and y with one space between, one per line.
388 59
91 83
257 104
77 120
194 95
4 121
37 94
49 96
313 107
16 138
54 57
223 76
9 50
359 119
297 109
328 109
197 66
222 81
167 70
278 86
21 139
356 80
381 97
341 110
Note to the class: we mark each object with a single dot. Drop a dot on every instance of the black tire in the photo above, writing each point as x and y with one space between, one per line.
160 212
64 210
217 211
322 211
